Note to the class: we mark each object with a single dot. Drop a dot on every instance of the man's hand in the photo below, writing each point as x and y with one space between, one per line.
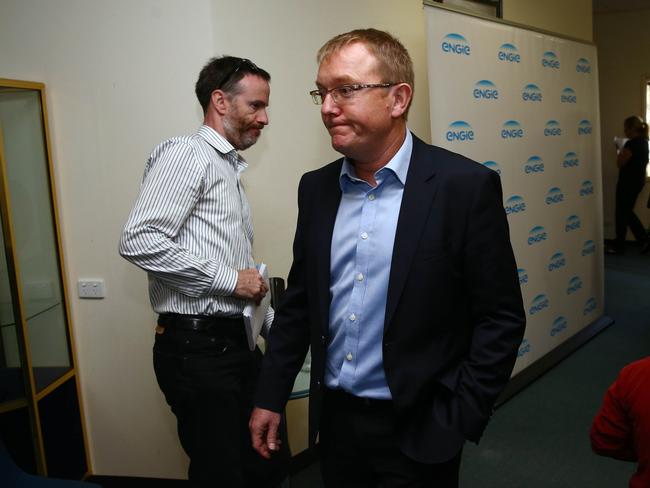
264 431
250 285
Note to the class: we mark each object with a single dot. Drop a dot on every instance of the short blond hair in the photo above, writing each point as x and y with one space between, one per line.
394 62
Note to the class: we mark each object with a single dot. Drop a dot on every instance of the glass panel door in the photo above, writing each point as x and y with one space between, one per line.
12 386
33 226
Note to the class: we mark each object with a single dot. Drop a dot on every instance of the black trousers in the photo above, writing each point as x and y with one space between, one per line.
359 449
208 379
626 195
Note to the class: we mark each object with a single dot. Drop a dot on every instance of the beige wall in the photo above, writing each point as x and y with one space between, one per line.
623 42
567 17
119 79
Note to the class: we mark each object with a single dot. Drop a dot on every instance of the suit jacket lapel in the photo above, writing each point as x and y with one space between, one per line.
419 193
327 206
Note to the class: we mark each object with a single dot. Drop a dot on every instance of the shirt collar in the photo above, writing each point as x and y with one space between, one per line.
221 144
399 163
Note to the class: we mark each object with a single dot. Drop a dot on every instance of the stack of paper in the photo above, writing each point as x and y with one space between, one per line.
254 315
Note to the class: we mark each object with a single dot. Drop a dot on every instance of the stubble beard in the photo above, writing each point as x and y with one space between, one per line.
235 132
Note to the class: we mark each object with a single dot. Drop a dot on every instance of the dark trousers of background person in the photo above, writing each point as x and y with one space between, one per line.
626 195
208 378
359 449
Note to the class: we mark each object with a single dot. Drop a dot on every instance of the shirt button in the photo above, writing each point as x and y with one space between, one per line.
352 317
360 277
364 235
371 197
349 356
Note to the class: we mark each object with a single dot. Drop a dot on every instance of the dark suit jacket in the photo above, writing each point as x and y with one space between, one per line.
454 314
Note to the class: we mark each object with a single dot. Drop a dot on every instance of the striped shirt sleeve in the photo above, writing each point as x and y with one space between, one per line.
173 184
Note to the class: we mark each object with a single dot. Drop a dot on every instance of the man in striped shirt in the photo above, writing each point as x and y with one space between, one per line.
191 231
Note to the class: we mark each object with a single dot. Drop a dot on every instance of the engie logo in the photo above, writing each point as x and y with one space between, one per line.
552 128
568 96
575 284
559 324
588 248
493 165
570 160
524 348
550 60
512 130
537 234
515 204
554 195
590 306
485 90
534 165
572 223
509 53
557 261
538 304
459 131
587 188
523 276
583 66
584 127
455 44
531 93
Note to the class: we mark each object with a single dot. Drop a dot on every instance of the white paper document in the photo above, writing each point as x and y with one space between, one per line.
254 315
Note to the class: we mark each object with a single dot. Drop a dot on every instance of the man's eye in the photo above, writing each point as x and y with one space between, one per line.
345 91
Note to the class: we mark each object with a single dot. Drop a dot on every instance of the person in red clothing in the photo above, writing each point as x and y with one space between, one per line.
621 429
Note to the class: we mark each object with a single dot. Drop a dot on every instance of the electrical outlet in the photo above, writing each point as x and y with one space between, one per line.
91 288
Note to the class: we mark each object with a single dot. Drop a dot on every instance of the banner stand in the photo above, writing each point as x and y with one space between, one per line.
525 104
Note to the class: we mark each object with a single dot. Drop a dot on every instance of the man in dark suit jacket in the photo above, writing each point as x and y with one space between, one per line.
403 283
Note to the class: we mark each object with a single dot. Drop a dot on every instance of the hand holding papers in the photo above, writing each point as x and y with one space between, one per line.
254 314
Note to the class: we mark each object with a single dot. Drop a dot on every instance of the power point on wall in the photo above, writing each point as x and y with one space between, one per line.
91 288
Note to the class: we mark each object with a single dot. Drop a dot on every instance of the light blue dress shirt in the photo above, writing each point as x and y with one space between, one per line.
361 254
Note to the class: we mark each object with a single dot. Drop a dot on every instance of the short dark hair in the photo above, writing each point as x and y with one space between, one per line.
224 74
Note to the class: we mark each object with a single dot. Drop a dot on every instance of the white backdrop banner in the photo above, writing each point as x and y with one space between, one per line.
525 104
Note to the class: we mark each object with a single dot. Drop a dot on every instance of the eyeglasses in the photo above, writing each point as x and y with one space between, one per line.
252 67
344 93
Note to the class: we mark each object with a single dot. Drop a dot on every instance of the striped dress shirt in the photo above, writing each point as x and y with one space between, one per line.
190 228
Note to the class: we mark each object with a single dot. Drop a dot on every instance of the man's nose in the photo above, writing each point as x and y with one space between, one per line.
328 106
263 117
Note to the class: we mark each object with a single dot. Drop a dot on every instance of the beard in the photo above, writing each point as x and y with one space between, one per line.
239 132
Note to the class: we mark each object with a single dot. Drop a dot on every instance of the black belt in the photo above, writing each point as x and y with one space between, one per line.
231 328
343 398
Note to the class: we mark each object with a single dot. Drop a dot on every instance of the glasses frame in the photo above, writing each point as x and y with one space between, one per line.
242 61
318 96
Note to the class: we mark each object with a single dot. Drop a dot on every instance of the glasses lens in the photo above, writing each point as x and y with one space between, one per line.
316 97
251 66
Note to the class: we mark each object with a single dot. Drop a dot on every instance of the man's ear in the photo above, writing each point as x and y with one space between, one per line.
219 101
402 98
